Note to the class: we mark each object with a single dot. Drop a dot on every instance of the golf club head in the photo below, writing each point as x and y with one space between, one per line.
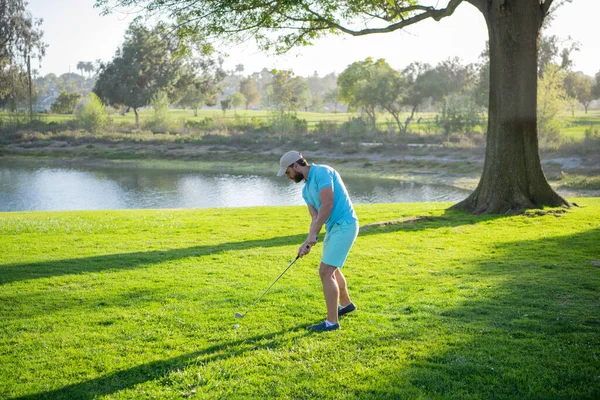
238 315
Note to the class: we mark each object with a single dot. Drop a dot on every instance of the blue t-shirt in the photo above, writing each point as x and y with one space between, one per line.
320 177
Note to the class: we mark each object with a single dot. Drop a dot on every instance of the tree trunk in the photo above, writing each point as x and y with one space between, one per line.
512 178
137 117
396 116
409 119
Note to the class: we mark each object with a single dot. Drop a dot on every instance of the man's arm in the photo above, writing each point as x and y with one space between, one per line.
326 196
318 219
313 215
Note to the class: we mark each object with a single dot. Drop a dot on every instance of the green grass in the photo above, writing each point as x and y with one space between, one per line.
140 304
423 123
575 126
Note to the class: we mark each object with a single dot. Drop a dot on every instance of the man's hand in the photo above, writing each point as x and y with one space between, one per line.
311 240
304 249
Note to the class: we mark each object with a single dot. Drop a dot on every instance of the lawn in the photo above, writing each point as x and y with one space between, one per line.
141 304
575 126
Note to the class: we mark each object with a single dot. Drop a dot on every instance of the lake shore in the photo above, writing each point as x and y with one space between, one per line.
572 174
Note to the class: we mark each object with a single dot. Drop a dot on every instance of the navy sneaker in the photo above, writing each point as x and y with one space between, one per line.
322 327
345 310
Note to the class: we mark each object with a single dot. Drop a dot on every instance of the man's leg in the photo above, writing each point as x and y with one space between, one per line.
341 282
331 291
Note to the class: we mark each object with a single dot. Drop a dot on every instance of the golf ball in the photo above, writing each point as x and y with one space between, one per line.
236 326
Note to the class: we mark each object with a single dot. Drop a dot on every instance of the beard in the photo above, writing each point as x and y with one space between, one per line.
297 177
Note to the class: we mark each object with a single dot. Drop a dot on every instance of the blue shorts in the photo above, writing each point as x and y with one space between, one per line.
337 243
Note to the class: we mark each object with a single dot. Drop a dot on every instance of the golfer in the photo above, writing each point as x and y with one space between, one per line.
329 204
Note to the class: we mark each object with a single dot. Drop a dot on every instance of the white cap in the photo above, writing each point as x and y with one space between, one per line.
286 160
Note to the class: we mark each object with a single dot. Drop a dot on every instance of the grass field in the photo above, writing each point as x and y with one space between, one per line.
576 126
573 127
140 304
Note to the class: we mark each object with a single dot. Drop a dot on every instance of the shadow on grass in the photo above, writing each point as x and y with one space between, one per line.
419 223
45 269
531 331
115 382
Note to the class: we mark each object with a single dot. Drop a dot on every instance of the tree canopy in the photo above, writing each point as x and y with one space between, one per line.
145 65
20 40
205 85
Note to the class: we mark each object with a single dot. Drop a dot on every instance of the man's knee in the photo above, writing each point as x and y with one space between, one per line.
327 271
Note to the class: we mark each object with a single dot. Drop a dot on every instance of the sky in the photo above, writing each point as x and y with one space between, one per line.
75 31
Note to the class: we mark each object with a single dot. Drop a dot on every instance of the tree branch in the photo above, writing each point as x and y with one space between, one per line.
428 12
546 6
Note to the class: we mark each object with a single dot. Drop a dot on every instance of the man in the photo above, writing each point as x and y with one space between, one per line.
328 203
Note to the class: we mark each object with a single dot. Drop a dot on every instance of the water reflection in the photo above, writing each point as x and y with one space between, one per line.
24 188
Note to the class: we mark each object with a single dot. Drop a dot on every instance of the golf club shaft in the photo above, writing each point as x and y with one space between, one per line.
280 275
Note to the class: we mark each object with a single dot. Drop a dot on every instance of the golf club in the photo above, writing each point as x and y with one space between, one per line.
239 315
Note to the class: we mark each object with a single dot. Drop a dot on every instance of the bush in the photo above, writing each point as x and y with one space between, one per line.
288 124
356 127
326 127
247 125
160 120
206 124
92 116
550 104
459 113
591 143
65 103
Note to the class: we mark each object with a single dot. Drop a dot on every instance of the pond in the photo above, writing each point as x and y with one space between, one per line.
33 188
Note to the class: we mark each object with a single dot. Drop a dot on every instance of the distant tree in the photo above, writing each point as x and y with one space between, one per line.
146 63
481 90
551 102
458 113
204 87
355 84
80 66
418 90
332 97
288 91
238 100
318 87
65 103
226 104
17 90
249 89
596 87
89 68
579 86
47 86
160 119
303 92
390 89
239 68
73 82
92 116
551 51
20 41
450 76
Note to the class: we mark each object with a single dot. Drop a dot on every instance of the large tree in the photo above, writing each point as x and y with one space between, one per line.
512 177
356 90
289 91
250 91
20 41
579 86
369 85
206 84
146 64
